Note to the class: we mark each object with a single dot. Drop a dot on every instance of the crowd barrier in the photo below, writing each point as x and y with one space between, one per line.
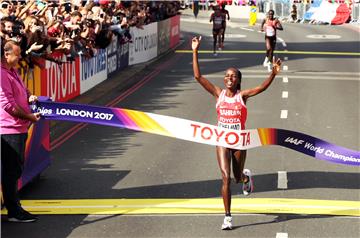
242 12
282 9
355 12
71 79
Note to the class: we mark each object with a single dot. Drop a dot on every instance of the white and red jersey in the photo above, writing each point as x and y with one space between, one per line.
231 111
270 27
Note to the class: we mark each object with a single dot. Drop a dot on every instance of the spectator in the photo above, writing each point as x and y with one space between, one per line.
293 13
76 26
196 8
7 29
260 4
15 117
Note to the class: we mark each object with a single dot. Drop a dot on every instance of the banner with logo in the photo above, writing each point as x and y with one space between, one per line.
61 82
37 152
174 31
112 55
197 131
93 70
145 44
31 77
123 56
163 36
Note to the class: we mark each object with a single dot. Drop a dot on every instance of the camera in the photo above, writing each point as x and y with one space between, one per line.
67 7
59 17
4 5
89 22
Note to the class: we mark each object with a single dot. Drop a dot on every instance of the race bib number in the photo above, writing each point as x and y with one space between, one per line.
269 31
235 126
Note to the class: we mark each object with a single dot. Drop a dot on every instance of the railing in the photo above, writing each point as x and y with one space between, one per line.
282 8
355 13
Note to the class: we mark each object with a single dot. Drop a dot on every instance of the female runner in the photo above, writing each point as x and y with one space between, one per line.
232 111
269 26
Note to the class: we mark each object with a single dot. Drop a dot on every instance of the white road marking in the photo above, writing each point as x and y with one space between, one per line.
281 235
282 180
285 68
282 42
286 58
231 36
284 114
246 29
355 74
285 94
324 37
285 79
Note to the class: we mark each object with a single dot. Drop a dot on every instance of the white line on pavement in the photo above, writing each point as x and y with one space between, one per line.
285 79
282 42
246 29
285 94
282 180
281 235
232 36
284 114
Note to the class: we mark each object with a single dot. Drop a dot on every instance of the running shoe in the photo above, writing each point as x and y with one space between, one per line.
248 187
21 216
266 61
227 224
215 54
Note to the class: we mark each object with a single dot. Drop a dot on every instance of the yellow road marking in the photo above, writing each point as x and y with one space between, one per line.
276 51
192 206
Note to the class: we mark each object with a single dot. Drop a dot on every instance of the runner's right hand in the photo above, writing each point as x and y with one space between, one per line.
195 43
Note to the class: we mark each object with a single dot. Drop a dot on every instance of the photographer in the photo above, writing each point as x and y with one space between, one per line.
73 26
34 30
121 29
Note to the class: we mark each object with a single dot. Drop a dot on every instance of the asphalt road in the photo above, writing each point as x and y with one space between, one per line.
316 94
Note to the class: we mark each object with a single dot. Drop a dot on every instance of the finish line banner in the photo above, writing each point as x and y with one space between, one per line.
196 131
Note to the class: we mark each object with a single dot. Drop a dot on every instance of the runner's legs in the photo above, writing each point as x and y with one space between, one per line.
270 47
223 158
223 37
238 162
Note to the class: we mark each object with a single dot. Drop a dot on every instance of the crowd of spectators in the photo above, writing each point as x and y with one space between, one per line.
75 27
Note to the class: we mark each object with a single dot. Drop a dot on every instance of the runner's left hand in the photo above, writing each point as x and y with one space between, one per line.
195 43
276 66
